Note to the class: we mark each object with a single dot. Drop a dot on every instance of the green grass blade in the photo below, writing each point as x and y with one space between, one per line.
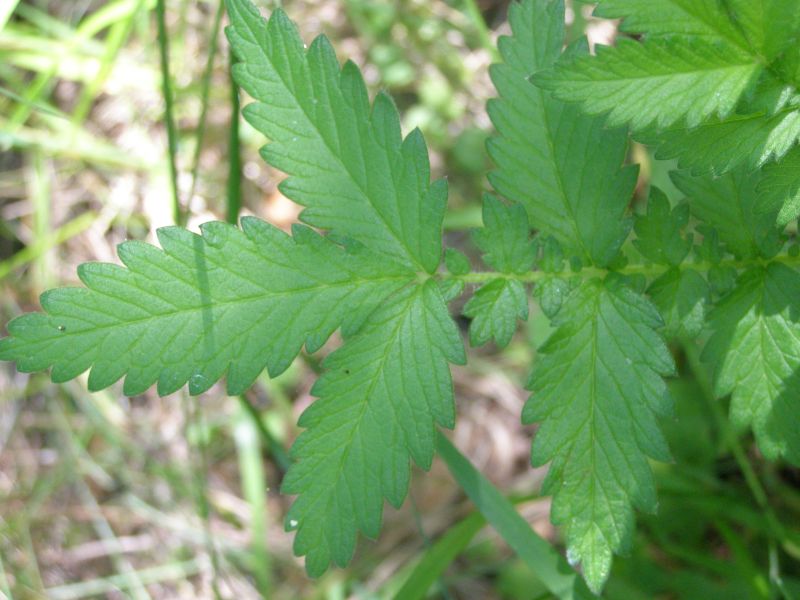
169 117
254 488
234 188
545 561
43 244
6 11
116 38
439 556
205 89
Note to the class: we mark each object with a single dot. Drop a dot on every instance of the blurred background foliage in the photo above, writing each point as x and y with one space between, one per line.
103 496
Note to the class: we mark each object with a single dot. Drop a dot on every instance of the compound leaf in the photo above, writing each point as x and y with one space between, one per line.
681 297
494 310
597 390
755 350
658 82
779 189
348 164
229 301
562 166
770 25
505 238
719 145
730 204
658 232
701 18
378 402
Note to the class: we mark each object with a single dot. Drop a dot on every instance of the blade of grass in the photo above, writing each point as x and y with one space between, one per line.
74 450
730 437
111 585
115 39
544 561
41 245
62 143
484 33
169 118
254 487
34 106
40 195
85 31
234 191
4 589
439 556
6 11
205 90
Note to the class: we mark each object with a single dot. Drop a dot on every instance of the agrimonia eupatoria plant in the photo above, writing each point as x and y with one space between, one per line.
711 83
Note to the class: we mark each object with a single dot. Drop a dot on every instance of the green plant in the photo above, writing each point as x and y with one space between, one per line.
716 88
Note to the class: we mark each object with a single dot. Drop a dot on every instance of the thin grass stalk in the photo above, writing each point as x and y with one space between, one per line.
205 89
169 117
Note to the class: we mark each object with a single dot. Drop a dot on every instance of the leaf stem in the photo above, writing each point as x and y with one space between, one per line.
647 269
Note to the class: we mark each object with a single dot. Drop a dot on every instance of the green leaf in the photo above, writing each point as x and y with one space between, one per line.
770 25
505 238
658 232
755 351
229 301
457 263
347 162
562 166
655 83
379 400
720 145
730 204
681 297
779 190
597 392
494 310
702 18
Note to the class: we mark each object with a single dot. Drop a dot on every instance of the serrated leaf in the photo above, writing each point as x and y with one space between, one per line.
681 297
505 238
658 83
457 263
379 400
730 204
347 162
562 166
551 293
770 25
231 301
701 18
597 391
494 310
755 350
659 231
720 145
779 189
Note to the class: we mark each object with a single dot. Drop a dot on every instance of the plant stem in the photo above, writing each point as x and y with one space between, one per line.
647 269
234 194
204 95
484 33
169 118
